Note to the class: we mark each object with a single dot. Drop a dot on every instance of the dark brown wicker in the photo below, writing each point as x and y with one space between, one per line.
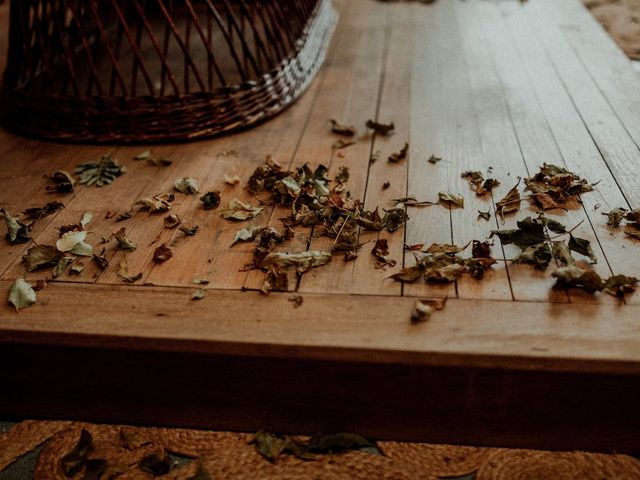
122 71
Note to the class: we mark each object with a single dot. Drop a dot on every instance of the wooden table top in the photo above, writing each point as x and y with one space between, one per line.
506 85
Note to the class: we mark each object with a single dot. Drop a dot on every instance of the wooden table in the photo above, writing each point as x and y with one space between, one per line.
510 360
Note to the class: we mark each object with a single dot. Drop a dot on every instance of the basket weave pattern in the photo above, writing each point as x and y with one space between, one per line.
119 71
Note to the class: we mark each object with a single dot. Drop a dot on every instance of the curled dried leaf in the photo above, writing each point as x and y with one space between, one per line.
380 128
510 203
123 242
452 199
615 216
17 232
423 309
171 221
189 231
240 211
162 254
21 294
62 182
211 200
123 271
186 185
400 155
342 129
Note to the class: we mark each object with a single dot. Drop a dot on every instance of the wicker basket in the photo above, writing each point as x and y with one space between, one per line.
137 71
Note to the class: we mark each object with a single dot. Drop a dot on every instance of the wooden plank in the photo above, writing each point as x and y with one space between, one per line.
595 47
490 407
517 335
500 149
532 130
355 98
577 147
617 147
428 137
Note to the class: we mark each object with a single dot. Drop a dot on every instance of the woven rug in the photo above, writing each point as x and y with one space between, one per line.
123 452
621 18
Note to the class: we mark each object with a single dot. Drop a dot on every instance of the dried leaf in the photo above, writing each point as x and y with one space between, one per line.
157 203
211 200
275 279
538 255
61 266
100 173
123 216
17 232
171 221
423 309
69 240
342 129
553 186
575 277
231 179
381 251
633 215
401 155
510 203
189 231
246 234
409 274
146 155
198 295
380 128
583 247
436 248
481 249
36 213
272 446
632 229
615 217
123 271
343 175
451 199
478 183
72 462
77 268
619 285
553 225
303 261
21 294
562 253
386 185
162 254
186 185
445 274
41 256
87 218
101 260
484 215
240 211
62 181
123 242
394 219
433 159
529 232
